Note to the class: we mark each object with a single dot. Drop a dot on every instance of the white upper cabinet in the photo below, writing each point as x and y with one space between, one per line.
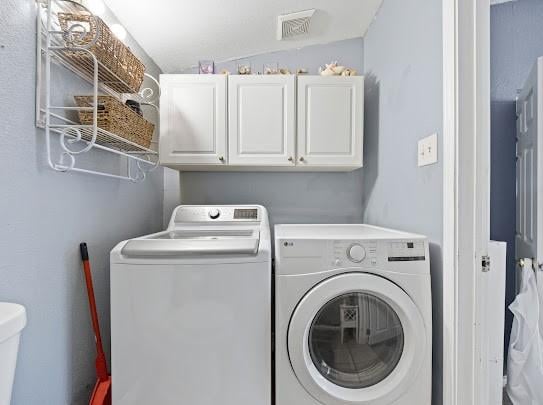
193 126
330 121
261 120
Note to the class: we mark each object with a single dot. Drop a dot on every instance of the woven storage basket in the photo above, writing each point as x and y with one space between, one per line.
116 57
117 118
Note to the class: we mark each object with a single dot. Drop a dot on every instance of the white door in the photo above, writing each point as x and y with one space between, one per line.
193 119
336 366
383 324
330 120
491 313
529 214
261 120
376 324
528 223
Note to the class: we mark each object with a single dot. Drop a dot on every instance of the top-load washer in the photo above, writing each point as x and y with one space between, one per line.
353 316
191 310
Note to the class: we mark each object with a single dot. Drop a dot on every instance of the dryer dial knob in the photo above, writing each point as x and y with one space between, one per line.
356 253
214 213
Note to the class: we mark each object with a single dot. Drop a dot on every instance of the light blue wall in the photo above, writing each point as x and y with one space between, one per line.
516 42
404 102
44 217
289 197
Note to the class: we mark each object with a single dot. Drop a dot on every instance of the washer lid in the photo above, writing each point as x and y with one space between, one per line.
356 338
194 242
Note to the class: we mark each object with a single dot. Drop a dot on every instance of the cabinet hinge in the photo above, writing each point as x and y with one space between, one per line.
485 264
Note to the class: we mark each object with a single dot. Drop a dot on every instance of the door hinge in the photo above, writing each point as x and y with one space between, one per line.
485 264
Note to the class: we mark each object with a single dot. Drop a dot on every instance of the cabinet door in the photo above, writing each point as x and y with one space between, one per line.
193 119
261 120
330 120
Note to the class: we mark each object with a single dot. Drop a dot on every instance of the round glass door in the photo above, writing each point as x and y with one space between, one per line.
356 340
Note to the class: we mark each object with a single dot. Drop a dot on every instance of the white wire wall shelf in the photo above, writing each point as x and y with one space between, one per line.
60 121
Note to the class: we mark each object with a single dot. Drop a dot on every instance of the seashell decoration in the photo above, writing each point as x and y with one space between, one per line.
334 69
276 71
338 69
270 69
244 69
349 72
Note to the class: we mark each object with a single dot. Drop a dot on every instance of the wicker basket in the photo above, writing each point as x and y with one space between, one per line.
123 71
117 118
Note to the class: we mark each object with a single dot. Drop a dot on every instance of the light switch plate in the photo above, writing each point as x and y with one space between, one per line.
427 150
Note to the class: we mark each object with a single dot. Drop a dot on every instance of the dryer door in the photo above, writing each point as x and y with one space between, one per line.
356 338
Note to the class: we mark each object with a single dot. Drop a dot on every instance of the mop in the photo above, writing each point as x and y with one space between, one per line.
101 395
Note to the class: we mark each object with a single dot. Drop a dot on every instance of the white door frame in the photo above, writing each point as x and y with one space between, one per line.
466 192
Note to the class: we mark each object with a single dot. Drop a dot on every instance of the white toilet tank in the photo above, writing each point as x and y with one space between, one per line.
12 322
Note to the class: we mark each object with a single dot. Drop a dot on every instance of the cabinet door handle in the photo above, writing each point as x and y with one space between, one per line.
302 159
290 159
221 158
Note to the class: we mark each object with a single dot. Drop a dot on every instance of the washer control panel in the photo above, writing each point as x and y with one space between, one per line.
200 214
214 213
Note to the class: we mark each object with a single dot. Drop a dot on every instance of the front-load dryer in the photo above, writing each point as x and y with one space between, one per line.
353 316
191 310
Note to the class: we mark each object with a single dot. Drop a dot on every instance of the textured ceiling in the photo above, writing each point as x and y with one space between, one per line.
178 33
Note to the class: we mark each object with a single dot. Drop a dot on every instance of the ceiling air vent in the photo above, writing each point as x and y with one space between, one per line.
293 24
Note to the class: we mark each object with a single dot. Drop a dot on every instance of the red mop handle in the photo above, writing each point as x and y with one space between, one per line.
101 366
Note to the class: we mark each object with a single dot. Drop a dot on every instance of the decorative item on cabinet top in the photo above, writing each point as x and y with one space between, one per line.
261 122
244 68
335 69
206 67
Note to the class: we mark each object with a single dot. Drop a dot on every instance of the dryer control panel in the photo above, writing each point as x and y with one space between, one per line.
370 253
406 251
354 252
